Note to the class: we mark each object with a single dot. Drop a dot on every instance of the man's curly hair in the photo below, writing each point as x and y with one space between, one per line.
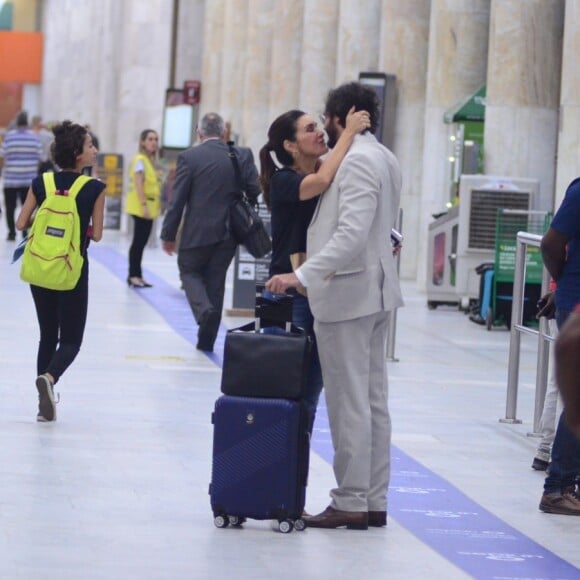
340 100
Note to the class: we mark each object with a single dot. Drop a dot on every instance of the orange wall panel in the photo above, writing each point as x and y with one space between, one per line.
10 102
21 56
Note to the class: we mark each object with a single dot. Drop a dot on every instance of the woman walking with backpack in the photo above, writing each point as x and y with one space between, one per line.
62 313
143 202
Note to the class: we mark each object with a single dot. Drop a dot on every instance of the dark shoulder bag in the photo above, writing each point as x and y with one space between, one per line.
246 226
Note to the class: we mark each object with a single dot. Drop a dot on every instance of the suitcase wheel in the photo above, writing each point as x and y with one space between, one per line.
300 525
221 521
285 526
236 521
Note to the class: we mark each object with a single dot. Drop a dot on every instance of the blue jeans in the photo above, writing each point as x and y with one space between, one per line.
302 317
565 465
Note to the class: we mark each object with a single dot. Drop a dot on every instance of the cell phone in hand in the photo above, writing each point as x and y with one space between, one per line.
396 238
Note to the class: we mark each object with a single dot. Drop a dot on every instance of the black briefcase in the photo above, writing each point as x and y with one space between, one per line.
267 357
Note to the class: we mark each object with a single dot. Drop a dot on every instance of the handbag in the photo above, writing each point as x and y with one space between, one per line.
272 362
246 225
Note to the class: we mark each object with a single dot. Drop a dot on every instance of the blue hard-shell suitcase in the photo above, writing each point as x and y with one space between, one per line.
260 461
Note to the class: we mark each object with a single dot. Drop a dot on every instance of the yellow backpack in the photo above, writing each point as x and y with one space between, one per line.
53 257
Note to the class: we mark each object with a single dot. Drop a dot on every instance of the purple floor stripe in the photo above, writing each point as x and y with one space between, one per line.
430 507
453 525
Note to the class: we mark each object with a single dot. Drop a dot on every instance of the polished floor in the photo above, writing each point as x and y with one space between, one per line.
117 488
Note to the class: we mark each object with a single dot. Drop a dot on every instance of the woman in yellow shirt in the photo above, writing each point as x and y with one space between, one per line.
143 202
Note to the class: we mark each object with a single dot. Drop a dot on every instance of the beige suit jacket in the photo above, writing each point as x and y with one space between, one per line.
350 271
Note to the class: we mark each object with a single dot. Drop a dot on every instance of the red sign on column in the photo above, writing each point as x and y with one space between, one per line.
191 92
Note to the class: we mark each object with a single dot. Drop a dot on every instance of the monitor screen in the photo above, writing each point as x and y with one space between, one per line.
177 121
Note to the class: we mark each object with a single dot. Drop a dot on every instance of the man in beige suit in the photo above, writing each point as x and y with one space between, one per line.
352 285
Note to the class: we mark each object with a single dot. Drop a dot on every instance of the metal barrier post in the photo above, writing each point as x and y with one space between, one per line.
392 330
515 338
542 364
524 240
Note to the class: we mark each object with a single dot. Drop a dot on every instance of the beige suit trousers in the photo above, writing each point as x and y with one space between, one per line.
353 359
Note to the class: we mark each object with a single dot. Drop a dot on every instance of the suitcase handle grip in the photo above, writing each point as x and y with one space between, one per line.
255 327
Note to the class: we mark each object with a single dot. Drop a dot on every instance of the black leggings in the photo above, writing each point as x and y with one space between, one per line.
141 232
11 197
61 317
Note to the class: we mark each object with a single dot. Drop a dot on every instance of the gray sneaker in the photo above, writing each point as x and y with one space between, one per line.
565 504
46 400
540 464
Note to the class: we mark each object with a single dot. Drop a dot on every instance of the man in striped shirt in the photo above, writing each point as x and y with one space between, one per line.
20 155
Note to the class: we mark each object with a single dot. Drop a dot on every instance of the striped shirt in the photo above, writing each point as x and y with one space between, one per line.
22 152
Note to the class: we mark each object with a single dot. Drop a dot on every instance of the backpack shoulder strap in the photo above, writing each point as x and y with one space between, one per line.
49 183
78 184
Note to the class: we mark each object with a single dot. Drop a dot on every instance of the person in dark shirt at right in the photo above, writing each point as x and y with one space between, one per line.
561 254
568 369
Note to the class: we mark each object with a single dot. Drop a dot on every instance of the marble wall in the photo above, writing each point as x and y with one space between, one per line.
189 41
456 67
358 38
233 71
319 53
217 13
109 63
286 57
523 91
405 30
258 76
568 166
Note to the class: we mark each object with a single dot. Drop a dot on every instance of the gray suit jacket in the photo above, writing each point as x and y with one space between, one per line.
204 187
350 271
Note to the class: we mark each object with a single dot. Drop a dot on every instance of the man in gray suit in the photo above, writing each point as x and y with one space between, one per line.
205 185
352 283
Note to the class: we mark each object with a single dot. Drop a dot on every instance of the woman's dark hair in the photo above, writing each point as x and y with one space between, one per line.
69 140
283 127
340 100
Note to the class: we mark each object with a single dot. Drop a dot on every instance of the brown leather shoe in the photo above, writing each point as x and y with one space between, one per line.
377 519
331 519
564 504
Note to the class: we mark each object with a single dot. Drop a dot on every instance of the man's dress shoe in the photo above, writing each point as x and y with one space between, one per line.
208 329
377 519
331 518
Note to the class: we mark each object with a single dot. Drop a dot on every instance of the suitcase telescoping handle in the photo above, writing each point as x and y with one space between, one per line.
251 327
273 311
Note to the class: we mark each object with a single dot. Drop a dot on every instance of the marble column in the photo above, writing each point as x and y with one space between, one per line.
117 79
358 39
457 65
234 64
213 45
521 119
190 40
108 34
145 52
286 57
64 28
568 167
257 81
319 47
405 31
